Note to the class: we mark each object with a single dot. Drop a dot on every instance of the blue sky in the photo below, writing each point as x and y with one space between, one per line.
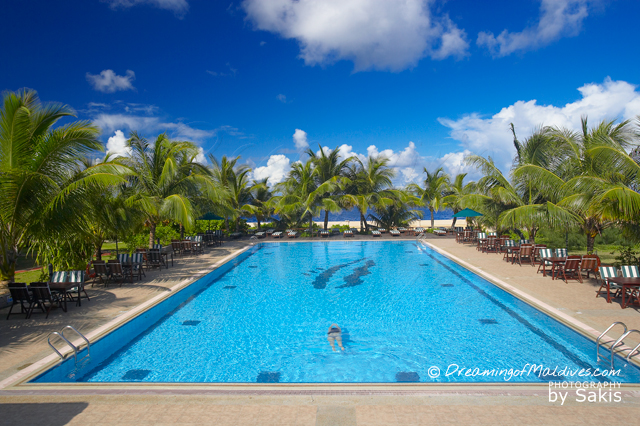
423 82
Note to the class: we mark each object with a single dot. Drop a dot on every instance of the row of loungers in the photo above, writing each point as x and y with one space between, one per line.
557 263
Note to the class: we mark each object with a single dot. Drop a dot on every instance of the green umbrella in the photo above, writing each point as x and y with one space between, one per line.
467 213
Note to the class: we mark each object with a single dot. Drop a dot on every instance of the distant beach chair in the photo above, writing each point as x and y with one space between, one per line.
292 234
277 234
402 229
376 233
394 233
260 234
382 230
348 233
324 233
440 232
419 230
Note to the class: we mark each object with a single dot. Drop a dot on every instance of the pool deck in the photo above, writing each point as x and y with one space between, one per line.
24 342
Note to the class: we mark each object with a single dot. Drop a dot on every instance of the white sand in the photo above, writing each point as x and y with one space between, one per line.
424 223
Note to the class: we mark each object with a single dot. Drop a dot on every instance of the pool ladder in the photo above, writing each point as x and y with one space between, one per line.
619 341
73 347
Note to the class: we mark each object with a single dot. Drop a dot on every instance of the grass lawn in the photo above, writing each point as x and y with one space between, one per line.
28 277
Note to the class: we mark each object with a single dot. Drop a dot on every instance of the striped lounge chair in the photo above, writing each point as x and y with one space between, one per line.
347 233
607 272
419 230
324 233
292 234
376 233
277 234
440 232
402 229
544 253
492 234
260 234
394 233
137 265
630 271
382 230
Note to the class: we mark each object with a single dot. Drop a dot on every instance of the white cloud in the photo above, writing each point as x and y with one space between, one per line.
492 136
300 140
179 7
231 72
276 169
374 34
112 122
558 18
117 144
282 98
108 81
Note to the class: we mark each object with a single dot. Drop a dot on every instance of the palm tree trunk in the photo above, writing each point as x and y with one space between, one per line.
258 220
152 234
326 219
454 220
432 220
364 220
311 225
226 225
8 266
97 251
590 243
237 223
181 232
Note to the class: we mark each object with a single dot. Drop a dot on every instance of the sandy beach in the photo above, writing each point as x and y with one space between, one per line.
424 223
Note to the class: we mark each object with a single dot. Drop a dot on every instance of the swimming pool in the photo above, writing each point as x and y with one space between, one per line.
407 313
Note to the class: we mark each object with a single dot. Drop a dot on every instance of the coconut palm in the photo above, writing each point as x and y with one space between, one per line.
456 191
223 171
260 196
433 193
165 178
370 186
37 163
302 197
400 212
327 167
591 186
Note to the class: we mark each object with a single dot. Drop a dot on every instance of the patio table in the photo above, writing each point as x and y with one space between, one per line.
626 283
555 262
64 288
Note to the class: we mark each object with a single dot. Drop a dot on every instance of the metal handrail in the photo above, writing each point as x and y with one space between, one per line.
75 350
79 334
620 340
602 335
632 351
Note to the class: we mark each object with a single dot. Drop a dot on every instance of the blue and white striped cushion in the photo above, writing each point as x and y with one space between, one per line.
59 277
561 252
546 253
76 276
607 272
482 235
630 271
123 258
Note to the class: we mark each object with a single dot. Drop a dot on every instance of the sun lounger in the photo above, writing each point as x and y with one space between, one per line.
335 231
376 233
292 234
439 232
235 235
346 234
394 233
419 230
260 234
277 234
325 234
402 230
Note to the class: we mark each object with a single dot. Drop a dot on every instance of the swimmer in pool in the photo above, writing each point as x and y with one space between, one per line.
335 334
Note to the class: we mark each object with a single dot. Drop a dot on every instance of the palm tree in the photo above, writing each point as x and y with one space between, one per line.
36 172
165 178
591 184
260 196
239 194
433 192
370 186
328 167
456 191
399 213
223 171
302 197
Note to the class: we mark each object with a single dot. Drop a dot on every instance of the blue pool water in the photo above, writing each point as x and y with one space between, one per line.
403 310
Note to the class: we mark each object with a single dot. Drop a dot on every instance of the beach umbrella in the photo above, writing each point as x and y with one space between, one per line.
467 213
